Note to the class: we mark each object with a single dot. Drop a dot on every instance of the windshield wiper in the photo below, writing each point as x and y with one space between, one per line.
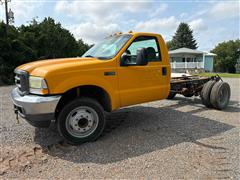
96 57
102 57
89 56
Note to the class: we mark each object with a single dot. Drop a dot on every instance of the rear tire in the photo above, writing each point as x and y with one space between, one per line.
171 95
205 93
82 120
220 95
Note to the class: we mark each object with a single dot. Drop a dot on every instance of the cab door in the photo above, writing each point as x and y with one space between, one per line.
139 84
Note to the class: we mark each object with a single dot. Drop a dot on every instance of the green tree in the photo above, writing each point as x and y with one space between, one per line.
12 52
227 56
82 47
183 37
44 40
49 39
170 45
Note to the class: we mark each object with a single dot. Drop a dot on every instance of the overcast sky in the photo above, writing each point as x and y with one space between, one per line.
211 21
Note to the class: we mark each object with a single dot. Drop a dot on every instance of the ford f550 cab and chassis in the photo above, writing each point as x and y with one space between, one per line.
121 70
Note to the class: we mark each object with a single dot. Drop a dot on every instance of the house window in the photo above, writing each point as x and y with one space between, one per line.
183 59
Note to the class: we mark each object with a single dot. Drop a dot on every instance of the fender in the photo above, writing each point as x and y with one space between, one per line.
60 87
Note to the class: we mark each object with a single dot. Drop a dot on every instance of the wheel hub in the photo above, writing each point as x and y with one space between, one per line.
81 121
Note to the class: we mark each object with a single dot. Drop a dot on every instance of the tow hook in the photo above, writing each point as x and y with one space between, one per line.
16 112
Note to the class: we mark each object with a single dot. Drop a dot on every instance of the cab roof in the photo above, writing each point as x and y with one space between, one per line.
136 33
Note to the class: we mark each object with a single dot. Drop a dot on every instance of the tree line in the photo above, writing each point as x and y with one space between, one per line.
36 41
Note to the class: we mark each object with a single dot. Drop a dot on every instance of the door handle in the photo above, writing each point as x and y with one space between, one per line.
164 71
110 73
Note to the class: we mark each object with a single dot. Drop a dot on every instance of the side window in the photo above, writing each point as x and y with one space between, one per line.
147 42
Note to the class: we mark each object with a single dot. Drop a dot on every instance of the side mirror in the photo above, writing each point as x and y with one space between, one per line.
141 57
123 60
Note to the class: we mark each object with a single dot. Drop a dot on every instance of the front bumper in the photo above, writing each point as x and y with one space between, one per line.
37 110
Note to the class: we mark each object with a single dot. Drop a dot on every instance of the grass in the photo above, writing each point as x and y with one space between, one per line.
226 75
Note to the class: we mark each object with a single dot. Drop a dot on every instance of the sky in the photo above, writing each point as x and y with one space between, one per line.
212 22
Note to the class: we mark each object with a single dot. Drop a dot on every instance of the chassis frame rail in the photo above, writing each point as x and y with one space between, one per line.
190 85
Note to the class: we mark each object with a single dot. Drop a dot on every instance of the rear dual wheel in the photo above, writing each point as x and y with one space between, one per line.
206 92
216 94
220 95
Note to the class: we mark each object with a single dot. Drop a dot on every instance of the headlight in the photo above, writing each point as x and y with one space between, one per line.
37 85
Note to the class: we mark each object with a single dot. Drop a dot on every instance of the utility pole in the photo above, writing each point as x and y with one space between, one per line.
6 11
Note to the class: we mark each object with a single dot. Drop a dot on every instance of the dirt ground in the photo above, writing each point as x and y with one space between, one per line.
168 139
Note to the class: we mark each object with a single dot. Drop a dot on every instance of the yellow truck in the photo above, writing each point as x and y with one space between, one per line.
122 70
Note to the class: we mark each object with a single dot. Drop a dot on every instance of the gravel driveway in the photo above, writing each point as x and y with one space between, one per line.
168 139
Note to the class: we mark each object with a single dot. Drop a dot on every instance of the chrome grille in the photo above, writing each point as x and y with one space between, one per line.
21 81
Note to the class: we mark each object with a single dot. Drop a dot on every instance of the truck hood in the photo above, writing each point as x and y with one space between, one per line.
44 66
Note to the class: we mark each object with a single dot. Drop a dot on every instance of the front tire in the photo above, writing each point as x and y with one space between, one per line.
82 120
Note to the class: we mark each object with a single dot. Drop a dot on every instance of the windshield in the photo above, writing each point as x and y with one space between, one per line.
107 48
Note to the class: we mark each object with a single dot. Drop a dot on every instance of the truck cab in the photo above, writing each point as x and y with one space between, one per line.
121 70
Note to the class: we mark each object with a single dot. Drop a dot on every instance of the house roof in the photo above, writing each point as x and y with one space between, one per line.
185 51
189 51
209 54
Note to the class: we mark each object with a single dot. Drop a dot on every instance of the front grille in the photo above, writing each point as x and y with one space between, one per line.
17 81
21 81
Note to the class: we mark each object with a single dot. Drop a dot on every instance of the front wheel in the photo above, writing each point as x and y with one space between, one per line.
81 120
